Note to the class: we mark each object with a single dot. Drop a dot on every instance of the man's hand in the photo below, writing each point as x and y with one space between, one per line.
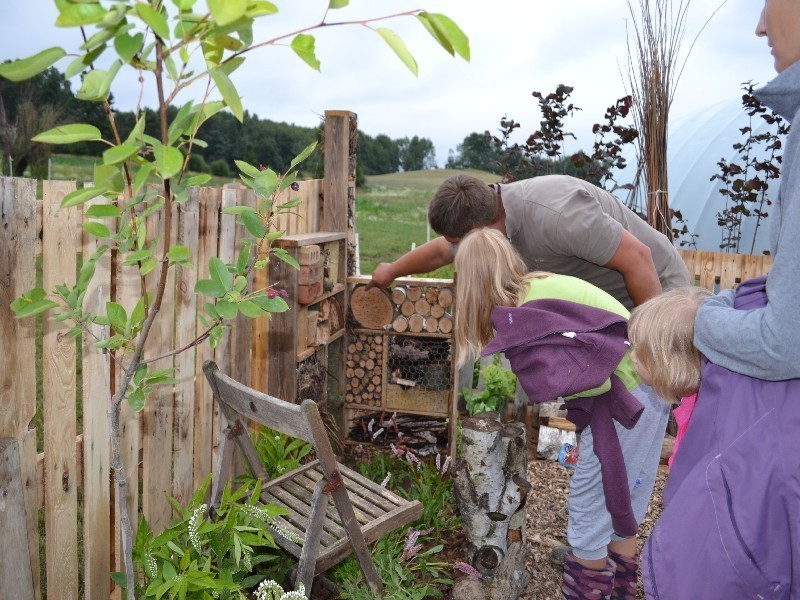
382 277
423 259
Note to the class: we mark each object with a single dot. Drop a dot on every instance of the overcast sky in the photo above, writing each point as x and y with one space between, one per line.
517 46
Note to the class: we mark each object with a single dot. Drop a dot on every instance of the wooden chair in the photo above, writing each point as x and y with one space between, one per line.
364 511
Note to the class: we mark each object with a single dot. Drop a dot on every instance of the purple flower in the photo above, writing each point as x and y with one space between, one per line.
468 569
386 480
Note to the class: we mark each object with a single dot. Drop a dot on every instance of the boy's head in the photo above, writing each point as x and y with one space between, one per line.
662 333
462 203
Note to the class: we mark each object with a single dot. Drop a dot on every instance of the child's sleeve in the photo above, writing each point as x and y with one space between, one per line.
592 392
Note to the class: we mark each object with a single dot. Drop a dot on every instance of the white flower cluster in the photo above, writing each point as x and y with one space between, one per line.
150 565
262 515
194 525
270 590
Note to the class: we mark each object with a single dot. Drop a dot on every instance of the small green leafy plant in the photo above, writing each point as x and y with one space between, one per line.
500 387
203 557
280 453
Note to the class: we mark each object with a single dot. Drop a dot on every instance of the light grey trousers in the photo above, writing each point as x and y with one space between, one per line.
589 527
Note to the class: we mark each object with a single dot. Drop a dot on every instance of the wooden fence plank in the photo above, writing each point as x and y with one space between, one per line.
20 226
128 291
185 316
204 406
157 418
337 158
16 579
708 270
60 247
96 450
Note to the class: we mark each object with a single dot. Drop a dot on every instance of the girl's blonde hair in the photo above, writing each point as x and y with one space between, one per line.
661 331
490 273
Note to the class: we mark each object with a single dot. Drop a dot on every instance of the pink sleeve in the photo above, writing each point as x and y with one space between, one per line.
682 415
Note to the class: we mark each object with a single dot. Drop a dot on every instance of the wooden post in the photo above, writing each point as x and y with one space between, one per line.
490 490
16 580
341 145
18 222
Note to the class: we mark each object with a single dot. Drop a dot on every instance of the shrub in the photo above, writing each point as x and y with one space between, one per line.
220 168
198 164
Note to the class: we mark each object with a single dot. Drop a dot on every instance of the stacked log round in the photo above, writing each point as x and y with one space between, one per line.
363 369
422 309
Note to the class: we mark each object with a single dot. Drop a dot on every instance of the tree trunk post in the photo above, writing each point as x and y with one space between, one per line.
490 489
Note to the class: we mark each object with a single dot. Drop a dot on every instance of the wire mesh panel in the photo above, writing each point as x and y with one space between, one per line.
419 374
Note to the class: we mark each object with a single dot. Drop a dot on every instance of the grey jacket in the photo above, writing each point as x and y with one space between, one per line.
765 342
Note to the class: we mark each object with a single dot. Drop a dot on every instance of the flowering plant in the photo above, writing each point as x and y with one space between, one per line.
204 557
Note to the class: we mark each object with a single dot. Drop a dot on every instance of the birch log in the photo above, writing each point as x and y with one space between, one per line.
490 490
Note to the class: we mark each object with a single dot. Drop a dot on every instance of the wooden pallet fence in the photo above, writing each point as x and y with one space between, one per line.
171 445
717 271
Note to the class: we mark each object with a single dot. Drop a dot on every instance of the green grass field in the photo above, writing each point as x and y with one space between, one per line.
392 214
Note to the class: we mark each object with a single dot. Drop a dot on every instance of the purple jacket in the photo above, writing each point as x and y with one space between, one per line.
731 523
550 364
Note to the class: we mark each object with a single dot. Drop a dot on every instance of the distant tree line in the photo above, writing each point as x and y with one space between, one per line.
47 100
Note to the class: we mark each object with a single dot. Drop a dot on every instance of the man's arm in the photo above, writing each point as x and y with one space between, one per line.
634 261
423 259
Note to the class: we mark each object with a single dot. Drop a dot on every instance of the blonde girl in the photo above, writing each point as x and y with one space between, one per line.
491 275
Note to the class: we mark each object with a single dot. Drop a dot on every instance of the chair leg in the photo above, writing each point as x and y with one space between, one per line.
356 536
223 470
308 556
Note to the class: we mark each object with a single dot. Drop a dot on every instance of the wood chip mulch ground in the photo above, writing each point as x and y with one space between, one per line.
547 524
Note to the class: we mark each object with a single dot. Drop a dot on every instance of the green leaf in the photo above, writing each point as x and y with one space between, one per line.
141 176
247 168
128 45
97 229
27 307
178 254
69 134
25 68
266 182
227 310
102 211
115 341
198 180
259 8
148 265
227 11
286 257
237 210
169 160
338 3
117 316
154 19
400 48
81 196
136 400
229 93
209 288
97 83
136 136
304 154
184 4
253 223
219 272
250 309
303 45
118 154
446 33
79 14
109 177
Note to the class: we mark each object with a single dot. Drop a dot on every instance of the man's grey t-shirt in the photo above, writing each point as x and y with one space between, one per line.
566 225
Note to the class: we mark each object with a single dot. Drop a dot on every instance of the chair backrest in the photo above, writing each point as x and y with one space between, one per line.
298 421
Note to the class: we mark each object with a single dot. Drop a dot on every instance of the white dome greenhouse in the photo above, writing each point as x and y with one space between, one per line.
696 145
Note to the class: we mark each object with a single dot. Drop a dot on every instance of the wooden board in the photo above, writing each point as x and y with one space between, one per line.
372 308
16 580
